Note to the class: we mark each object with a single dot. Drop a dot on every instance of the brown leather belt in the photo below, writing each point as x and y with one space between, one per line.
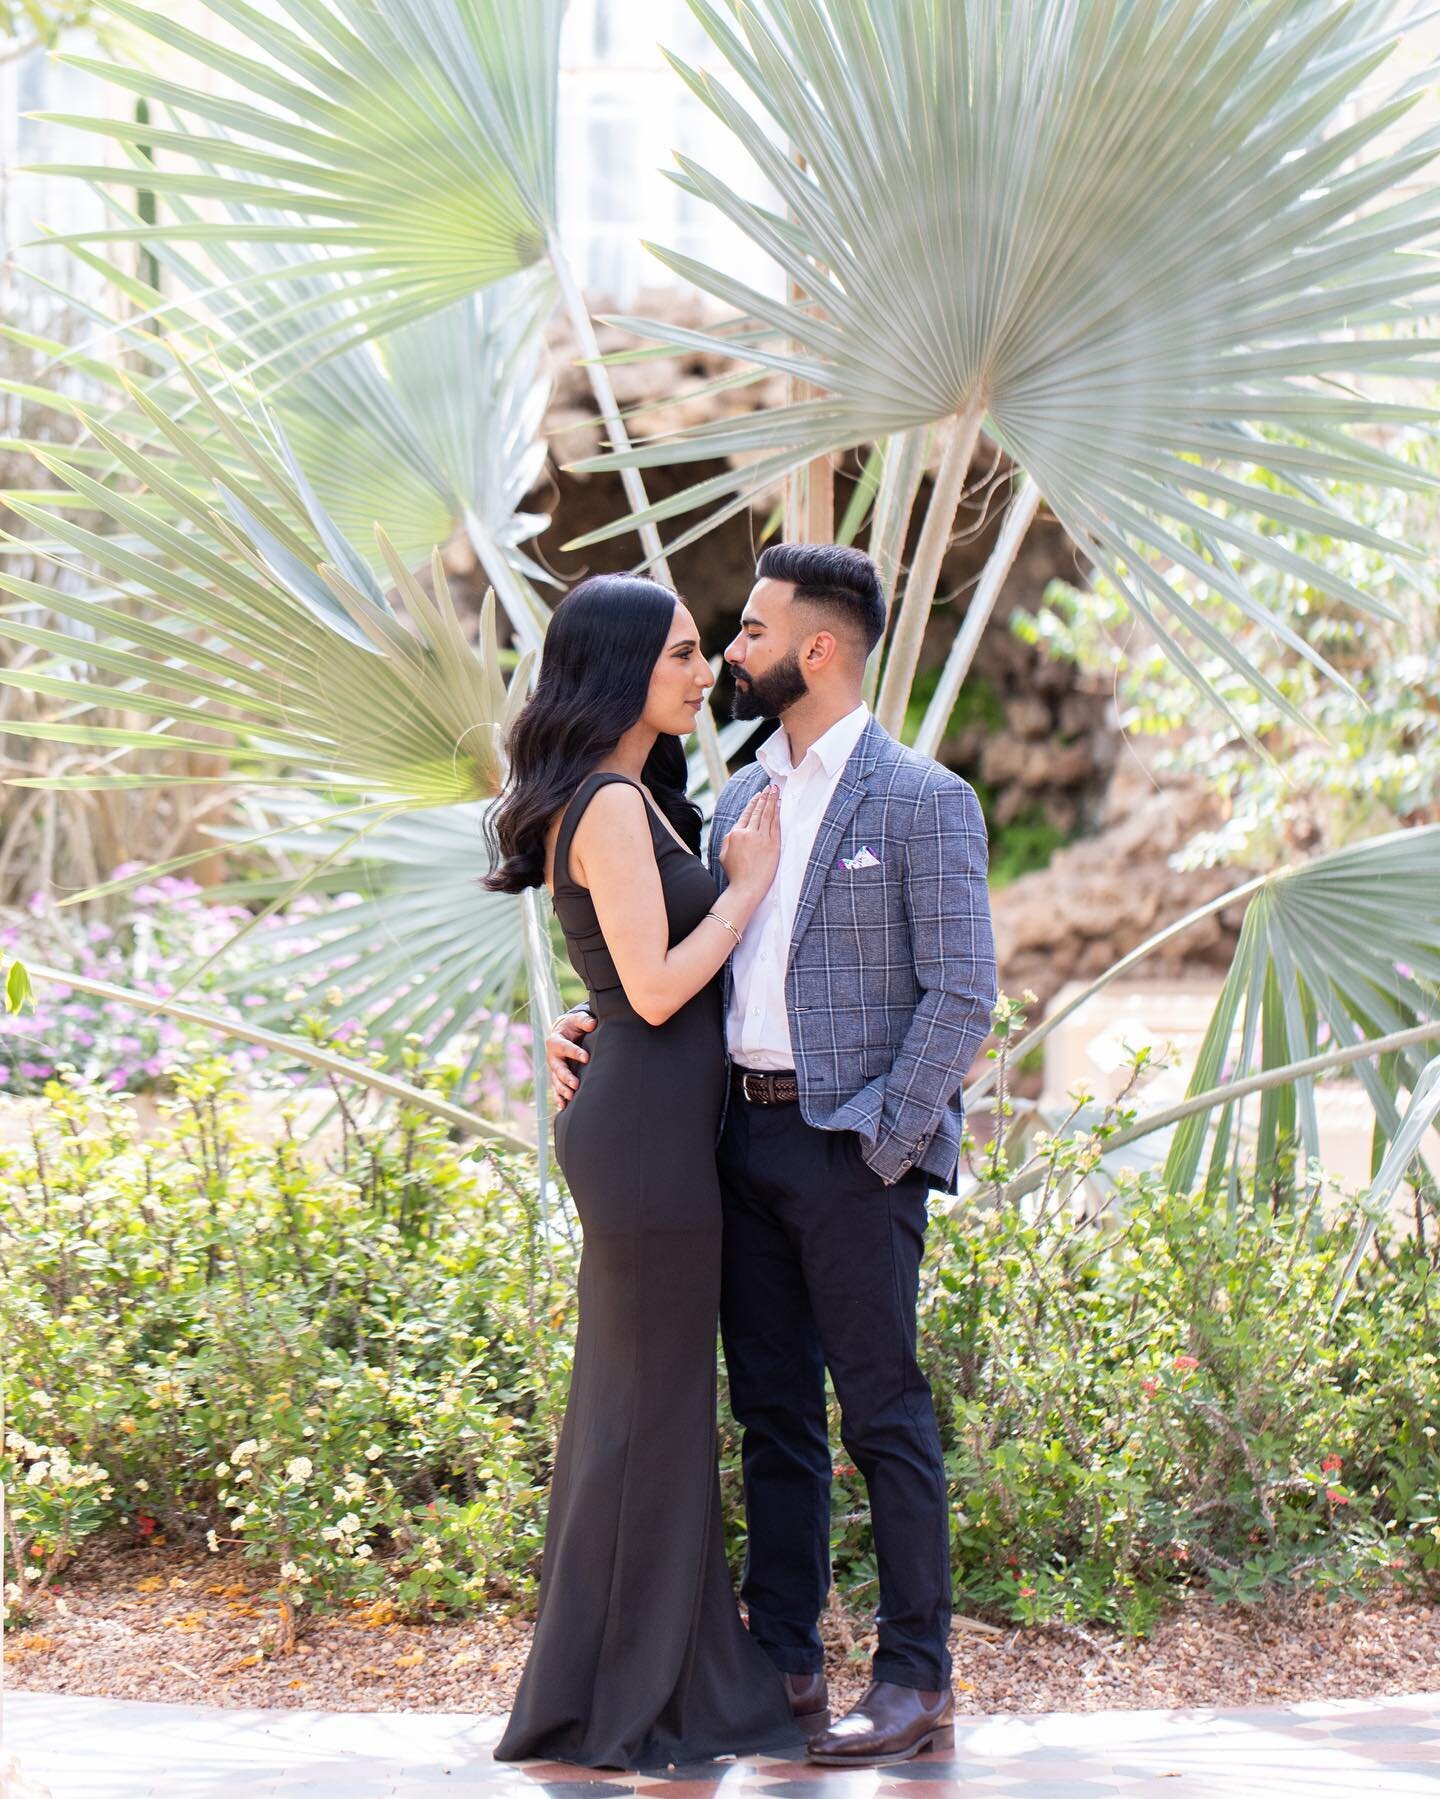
778 1089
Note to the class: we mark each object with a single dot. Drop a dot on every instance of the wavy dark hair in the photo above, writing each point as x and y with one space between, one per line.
600 651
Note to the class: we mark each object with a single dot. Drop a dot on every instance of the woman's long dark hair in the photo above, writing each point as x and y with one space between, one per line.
604 640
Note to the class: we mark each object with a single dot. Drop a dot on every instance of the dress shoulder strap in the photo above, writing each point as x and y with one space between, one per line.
574 812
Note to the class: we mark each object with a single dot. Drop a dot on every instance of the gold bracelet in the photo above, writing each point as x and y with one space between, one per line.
720 916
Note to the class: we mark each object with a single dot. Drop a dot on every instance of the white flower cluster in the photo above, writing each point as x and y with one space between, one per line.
51 1466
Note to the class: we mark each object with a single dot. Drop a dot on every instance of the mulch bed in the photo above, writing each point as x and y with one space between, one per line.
185 1627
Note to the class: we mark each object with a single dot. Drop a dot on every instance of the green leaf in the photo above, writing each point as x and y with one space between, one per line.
17 987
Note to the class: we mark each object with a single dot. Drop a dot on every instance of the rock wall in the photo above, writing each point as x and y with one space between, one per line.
1102 896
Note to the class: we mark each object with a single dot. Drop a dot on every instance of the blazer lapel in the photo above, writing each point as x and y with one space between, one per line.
849 790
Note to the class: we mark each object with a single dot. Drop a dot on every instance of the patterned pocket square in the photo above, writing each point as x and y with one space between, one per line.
866 859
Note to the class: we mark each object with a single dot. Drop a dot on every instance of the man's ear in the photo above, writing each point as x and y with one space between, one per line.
822 650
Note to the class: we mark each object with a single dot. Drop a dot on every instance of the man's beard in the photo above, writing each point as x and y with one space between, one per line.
770 694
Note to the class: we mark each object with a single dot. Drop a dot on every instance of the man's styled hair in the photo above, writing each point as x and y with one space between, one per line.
840 580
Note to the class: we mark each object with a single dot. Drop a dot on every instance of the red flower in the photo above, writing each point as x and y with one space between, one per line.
146 1523
1331 1464
1186 1361
1012 1561
1027 1592
1336 1497
1152 1387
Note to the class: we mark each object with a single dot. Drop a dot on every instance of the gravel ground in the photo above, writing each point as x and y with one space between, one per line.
168 1624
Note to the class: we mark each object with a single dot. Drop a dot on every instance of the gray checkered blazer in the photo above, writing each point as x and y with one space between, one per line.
891 978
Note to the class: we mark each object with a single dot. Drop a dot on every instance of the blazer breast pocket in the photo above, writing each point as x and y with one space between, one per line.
863 892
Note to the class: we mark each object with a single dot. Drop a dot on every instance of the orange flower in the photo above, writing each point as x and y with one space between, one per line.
1027 1592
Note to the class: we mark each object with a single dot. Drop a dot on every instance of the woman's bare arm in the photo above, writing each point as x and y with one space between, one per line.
612 854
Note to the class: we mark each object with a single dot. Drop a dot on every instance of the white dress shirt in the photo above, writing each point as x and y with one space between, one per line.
757 1028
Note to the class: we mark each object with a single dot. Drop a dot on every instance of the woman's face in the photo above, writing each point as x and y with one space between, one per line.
681 679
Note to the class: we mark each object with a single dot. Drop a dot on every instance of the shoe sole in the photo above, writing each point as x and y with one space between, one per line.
943 1738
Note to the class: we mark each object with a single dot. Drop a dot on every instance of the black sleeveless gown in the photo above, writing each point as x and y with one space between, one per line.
639 1656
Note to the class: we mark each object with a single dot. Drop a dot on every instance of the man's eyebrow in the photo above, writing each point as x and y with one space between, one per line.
752 618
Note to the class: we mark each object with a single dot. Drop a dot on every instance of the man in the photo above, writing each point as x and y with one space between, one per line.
855 1002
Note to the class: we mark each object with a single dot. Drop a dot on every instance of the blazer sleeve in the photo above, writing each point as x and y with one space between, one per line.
947 906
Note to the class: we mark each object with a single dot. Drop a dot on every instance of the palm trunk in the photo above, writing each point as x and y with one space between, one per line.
544 1007
809 510
909 633
1018 518
905 455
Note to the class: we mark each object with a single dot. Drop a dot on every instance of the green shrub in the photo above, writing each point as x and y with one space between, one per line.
332 1365
355 1368
1126 1410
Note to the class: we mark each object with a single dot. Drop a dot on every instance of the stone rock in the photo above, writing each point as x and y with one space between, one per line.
1103 895
1081 712
1027 715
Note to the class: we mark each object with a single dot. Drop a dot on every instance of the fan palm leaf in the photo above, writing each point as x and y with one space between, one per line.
413 145
216 624
1340 950
1335 956
434 429
419 949
1143 246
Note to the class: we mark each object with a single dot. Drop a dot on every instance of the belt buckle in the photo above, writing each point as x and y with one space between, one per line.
756 1099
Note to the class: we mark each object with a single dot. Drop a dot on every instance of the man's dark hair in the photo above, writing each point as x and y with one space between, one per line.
843 581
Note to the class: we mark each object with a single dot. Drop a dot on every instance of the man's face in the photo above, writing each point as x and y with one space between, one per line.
763 656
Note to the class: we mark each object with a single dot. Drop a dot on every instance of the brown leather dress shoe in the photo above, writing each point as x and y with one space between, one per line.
809 1702
890 1724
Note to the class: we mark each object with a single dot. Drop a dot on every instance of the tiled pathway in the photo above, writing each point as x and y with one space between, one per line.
118 1749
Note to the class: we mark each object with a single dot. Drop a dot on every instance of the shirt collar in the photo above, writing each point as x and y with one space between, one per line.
832 750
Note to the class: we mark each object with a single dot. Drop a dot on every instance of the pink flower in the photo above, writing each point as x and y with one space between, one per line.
1336 1497
1186 1362
1027 1592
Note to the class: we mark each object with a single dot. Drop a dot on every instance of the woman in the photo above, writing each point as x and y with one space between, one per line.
639 1656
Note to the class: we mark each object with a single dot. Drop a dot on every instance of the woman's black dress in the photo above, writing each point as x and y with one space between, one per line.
640 1657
